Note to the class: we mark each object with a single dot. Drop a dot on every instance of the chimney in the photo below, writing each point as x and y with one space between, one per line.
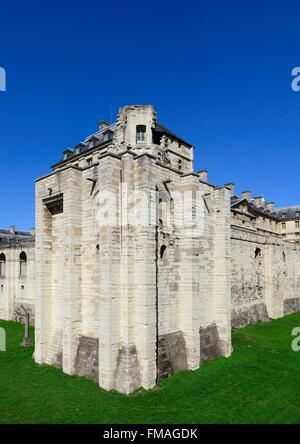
259 201
246 195
230 186
102 124
12 229
203 175
270 206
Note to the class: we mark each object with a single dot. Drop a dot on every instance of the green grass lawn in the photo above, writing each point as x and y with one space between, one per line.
259 383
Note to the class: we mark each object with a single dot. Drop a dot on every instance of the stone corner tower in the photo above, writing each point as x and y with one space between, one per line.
132 257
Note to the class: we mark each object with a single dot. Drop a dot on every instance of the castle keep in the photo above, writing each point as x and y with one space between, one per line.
140 267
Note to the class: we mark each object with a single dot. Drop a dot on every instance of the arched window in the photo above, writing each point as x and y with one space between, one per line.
140 133
2 265
23 264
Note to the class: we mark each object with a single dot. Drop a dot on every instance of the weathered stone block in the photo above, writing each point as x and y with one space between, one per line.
291 305
128 376
21 310
87 359
210 346
171 354
242 316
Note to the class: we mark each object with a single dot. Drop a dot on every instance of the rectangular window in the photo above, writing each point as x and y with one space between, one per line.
140 133
2 265
283 225
297 224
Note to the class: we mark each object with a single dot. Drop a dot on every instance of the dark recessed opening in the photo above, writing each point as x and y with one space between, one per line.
162 251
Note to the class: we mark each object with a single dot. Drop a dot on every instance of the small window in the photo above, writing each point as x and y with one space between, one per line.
257 253
283 225
140 133
297 224
23 264
2 265
163 249
90 162
107 135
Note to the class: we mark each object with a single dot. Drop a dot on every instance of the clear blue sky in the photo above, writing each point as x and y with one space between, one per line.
218 72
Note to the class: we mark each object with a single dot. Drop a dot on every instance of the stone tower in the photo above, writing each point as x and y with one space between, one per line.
132 257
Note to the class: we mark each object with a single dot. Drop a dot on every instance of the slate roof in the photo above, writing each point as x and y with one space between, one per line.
104 135
7 236
101 137
164 130
289 213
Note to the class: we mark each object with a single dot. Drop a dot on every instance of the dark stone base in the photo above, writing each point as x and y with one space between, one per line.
19 313
87 360
291 305
241 317
171 354
58 360
210 345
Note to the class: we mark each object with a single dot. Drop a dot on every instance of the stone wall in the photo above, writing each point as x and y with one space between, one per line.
265 277
17 290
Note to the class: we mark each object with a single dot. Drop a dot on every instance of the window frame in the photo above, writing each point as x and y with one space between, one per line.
2 266
140 130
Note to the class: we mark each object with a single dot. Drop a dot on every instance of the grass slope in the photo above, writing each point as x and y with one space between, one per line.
259 383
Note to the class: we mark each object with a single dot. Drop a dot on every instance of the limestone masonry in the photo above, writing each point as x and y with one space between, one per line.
139 267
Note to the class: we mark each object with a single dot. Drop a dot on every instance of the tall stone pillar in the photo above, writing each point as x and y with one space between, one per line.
109 268
145 293
127 374
43 266
13 279
189 285
222 268
72 220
